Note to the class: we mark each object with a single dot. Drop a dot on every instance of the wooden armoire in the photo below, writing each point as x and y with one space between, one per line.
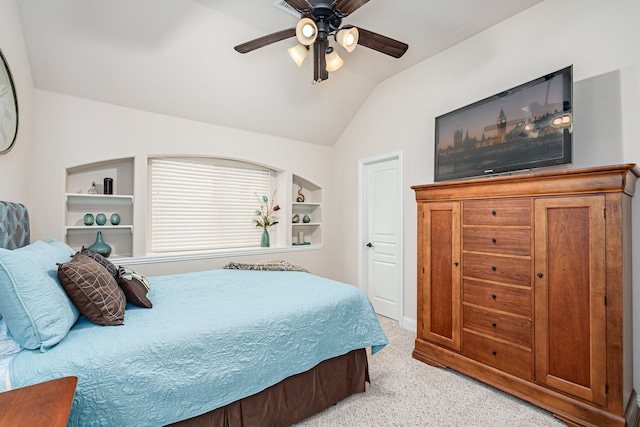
524 283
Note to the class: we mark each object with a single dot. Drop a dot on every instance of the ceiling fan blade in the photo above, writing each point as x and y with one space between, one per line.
265 40
349 6
381 43
299 5
320 61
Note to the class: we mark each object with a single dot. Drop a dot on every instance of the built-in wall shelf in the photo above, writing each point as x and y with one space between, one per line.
79 202
98 199
311 231
309 205
93 228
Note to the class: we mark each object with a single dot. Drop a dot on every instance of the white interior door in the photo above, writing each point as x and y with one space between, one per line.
382 209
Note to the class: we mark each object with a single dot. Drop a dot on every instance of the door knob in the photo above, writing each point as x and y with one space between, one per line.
369 245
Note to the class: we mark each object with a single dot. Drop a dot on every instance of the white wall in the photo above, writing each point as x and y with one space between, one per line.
15 166
630 80
72 131
599 38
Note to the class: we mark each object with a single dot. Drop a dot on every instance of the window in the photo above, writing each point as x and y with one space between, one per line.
204 203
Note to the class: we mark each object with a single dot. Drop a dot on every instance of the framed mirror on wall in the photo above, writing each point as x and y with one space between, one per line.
8 108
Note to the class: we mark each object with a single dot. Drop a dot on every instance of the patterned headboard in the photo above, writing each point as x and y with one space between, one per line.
15 231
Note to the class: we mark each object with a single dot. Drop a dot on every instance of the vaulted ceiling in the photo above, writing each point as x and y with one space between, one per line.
176 57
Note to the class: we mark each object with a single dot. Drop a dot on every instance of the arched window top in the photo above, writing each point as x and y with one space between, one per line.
199 203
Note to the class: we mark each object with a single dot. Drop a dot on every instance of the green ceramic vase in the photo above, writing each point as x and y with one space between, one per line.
100 246
88 219
101 219
115 219
265 239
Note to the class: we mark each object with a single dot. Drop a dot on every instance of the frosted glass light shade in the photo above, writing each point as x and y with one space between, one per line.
306 31
298 53
348 38
334 62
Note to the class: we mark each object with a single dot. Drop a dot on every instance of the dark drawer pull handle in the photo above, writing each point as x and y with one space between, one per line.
493 267
455 263
494 353
493 213
494 241
540 275
494 324
494 296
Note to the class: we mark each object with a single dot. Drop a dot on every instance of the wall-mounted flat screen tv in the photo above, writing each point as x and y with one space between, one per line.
526 127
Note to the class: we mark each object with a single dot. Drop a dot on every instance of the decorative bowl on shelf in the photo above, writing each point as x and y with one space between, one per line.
88 219
114 219
101 219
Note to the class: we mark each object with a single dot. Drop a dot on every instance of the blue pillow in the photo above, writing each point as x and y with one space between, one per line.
62 249
8 346
33 303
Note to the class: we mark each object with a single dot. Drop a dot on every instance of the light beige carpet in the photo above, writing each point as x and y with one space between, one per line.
406 392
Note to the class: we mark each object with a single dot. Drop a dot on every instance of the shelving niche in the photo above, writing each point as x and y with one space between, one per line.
311 206
79 202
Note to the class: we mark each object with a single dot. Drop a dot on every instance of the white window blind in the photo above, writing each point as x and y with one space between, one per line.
203 203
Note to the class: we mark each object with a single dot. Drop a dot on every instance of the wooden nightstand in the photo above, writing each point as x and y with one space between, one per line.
44 404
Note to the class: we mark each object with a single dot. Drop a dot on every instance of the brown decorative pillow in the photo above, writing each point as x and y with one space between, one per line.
135 287
100 259
93 290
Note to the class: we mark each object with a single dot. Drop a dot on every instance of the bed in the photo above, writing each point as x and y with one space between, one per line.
228 347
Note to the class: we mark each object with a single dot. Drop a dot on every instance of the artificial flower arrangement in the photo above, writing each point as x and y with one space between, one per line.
266 212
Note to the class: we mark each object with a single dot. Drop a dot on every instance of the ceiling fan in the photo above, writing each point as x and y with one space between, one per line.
319 20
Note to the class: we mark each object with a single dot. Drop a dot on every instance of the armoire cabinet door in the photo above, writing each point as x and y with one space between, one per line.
439 260
570 286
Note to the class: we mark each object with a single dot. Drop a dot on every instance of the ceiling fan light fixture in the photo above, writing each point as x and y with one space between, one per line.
334 62
348 38
306 31
317 21
298 53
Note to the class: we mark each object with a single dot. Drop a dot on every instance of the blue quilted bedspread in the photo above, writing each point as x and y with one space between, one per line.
211 338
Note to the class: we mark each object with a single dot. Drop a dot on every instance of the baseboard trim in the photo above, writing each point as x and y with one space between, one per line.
410 324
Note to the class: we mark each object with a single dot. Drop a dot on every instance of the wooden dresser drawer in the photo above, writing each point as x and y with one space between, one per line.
514 329
507 358
508 241
498 297
497 212
516 271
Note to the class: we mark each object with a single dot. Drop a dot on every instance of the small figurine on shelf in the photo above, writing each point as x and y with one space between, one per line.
306 219
93 189
300 198
295 219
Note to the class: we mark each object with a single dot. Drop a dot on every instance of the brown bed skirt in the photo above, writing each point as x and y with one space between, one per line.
294 398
